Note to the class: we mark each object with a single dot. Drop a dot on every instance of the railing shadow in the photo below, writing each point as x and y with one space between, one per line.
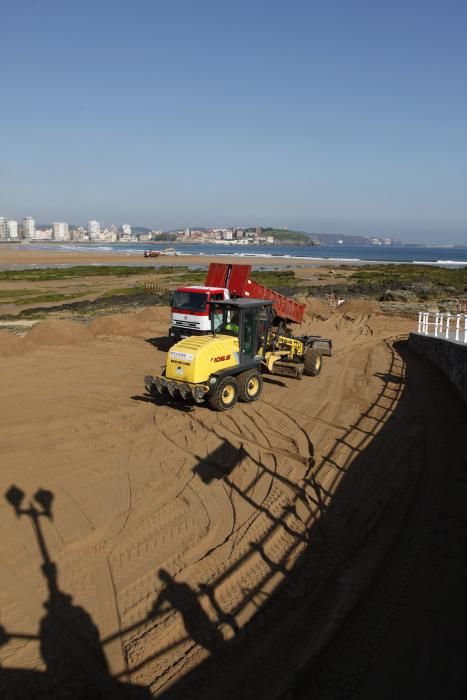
329 488
71 647
69 641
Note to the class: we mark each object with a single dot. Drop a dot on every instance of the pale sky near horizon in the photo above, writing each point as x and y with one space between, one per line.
338 117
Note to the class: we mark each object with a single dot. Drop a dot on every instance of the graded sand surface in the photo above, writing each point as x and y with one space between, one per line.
157 548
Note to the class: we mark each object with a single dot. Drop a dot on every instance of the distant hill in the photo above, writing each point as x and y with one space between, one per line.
282 235
304 237
334 238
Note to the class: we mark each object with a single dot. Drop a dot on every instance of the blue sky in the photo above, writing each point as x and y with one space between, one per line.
333 117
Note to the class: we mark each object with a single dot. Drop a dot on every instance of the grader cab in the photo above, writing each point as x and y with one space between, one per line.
227 366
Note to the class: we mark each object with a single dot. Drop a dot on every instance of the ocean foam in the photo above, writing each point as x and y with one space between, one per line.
458 263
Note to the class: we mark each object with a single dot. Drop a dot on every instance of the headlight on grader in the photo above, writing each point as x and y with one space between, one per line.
199 391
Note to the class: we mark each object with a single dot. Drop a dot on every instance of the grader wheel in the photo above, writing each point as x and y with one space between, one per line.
250 386
225 395
313 362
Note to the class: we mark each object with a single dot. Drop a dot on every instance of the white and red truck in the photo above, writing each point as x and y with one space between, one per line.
191 305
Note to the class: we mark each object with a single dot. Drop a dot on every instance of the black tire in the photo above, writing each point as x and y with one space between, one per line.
313 362
250 386
225 395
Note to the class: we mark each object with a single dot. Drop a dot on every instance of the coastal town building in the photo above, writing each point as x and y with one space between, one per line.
94 230
12 229
78 234
43 234
28 228
3 228
109 235
60 231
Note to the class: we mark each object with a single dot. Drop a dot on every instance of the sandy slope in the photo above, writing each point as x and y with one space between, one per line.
173 525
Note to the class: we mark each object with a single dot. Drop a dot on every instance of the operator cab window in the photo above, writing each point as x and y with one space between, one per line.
217 318
226 322
249 348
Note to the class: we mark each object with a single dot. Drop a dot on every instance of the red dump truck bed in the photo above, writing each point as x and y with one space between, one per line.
236 278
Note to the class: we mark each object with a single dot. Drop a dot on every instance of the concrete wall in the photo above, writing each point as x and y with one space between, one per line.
449 356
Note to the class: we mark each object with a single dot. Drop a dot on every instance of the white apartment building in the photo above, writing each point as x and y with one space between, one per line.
94 230
3 228
12 229
29 228
126 229
60 231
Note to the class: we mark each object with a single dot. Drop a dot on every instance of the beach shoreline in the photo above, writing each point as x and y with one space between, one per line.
28 257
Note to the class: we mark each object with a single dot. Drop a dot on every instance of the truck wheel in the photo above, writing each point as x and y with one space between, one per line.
225 395
313 362
250 386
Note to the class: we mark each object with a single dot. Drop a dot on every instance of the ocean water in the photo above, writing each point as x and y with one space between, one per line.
447 256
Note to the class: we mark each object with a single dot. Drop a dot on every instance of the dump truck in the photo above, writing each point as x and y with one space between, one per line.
191 305
227 365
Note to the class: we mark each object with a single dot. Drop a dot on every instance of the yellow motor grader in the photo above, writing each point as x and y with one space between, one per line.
227 365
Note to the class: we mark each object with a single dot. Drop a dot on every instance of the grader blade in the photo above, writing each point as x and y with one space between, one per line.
150 384
288 369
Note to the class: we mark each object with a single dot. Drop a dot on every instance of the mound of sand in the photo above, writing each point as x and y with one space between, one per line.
130 324
360 307
119 324
155 314
54 332
315 308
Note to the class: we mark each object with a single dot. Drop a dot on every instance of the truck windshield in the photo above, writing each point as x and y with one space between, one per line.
189 301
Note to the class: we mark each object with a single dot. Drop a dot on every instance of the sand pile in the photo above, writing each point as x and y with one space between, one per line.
359 307
155 314
315 308
131 324
120 324
53 332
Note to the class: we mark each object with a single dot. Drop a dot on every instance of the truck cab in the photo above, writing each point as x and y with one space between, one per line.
190 310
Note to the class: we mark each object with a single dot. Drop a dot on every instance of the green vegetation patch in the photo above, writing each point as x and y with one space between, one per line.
274 278
55 273
390 275
409 283
48 298
10 295
187 277
122 291
21 297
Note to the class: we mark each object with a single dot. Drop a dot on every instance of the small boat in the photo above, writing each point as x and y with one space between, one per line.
151 253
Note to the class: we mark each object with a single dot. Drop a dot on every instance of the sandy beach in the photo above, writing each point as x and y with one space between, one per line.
28 255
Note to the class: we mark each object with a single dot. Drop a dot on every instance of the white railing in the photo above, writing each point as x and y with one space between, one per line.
449 326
